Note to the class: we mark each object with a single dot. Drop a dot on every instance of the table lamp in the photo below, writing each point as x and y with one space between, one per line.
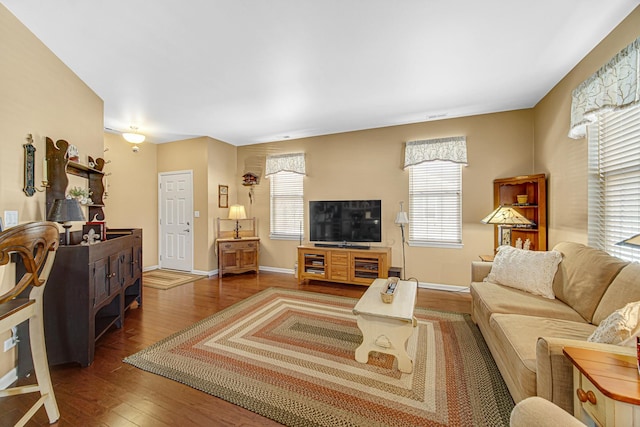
64 211
633 241
237 212
505 217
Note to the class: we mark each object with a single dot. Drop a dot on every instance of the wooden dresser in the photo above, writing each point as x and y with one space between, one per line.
237 255
89 289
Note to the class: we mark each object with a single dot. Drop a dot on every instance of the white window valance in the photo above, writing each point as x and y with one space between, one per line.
285 163
453 149
615 86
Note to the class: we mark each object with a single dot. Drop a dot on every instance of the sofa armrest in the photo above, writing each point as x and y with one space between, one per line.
480 270
535 411
554 371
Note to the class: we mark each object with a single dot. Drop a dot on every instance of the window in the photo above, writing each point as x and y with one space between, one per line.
287 205
435 206
614 181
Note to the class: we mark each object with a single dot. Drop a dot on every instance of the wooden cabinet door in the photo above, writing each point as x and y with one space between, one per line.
312 264
229 258
100 281
128 266
248 258
366 267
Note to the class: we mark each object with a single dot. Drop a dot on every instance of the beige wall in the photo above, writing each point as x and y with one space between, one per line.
565 159
191 155
132 185
222 171
41 96
212 163
368 165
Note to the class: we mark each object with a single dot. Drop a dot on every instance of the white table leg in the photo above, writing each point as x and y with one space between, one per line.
385 335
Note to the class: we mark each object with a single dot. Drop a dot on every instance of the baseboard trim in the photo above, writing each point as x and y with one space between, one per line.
205 273
9 378
276 270
424 285
440 287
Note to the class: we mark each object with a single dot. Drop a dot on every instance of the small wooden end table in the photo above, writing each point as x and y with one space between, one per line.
386 328
607 387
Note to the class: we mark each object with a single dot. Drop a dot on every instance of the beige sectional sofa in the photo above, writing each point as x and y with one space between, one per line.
526 332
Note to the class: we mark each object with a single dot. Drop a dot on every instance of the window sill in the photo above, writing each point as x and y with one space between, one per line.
443 245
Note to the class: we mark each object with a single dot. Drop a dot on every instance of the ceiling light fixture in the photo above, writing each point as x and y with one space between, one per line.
133 137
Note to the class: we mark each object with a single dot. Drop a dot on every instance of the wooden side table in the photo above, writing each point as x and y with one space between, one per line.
386 328
238 255
607 387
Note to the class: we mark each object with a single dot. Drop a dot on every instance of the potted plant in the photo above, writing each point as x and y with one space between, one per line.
81 194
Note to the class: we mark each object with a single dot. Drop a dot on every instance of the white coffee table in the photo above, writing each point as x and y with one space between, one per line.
386 328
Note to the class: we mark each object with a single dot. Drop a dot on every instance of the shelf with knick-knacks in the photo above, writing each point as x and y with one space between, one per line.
527 194
59 166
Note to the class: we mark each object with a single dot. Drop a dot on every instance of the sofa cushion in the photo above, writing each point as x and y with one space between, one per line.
624 288
517 336
620 327
530 271
583 276
491 298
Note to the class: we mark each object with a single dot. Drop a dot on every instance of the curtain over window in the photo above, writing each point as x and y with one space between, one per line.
285 163
286 173
453 149
614 182
435 191
615 86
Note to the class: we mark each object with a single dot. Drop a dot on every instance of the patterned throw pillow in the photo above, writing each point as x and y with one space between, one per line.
620 327
530 271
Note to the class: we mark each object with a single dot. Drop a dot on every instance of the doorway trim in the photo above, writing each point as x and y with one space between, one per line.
190 215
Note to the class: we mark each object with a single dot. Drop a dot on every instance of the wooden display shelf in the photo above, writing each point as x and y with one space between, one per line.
505 192
343 265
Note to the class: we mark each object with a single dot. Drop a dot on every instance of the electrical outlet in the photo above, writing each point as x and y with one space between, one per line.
9 343
10 219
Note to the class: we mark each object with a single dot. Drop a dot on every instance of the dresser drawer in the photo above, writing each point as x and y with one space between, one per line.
595 404
234 246
339 259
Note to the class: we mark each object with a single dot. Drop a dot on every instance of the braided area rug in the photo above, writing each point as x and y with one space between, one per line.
289 356
167 279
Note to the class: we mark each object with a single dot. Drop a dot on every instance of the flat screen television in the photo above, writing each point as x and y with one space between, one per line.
345 221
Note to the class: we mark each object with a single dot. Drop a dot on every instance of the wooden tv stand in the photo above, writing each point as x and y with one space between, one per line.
343 265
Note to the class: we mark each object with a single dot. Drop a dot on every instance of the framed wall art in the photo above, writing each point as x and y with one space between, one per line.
223 196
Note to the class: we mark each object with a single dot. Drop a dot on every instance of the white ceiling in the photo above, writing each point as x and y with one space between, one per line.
252 71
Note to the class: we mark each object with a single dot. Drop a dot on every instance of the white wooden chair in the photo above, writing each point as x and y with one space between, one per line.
35 243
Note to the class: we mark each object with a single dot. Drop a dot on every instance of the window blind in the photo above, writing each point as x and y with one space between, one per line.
435 208
614 182
287 205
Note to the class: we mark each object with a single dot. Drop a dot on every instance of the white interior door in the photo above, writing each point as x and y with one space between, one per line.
176 220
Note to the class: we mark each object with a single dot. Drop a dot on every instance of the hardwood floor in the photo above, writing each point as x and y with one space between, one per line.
112 393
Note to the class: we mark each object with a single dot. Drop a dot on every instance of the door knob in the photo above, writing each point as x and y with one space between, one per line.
187 230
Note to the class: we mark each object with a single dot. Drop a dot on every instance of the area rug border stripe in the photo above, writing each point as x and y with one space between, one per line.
324 396
168 279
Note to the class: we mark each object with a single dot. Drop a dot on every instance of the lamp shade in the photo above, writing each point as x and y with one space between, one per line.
134 138
237 212
65 210
402 218
506 215
633 241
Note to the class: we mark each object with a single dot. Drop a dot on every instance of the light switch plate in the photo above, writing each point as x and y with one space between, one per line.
10 219
196 214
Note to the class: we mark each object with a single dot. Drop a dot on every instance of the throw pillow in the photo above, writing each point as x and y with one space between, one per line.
530 271
620 327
